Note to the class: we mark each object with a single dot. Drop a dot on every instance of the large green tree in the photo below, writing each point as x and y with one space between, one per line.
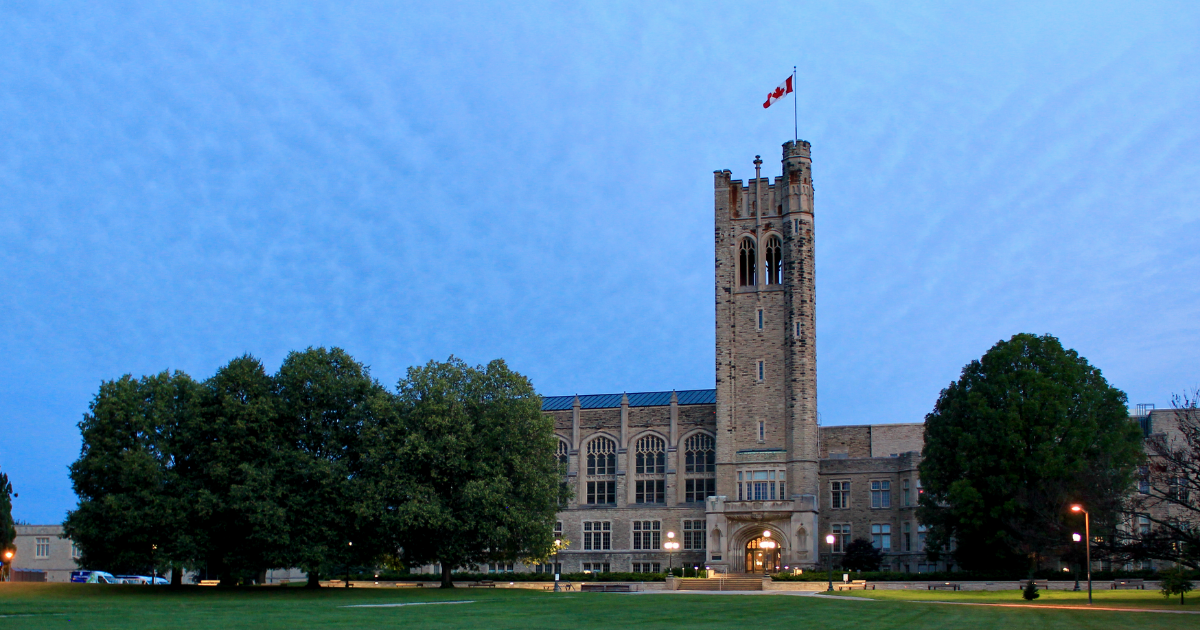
232 458
467 471
132 511
326 401
1027 430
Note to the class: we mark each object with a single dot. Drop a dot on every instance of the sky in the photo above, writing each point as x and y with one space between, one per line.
182 183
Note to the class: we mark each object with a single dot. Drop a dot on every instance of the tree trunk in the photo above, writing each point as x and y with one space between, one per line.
176 576
314 579
446 581
262 577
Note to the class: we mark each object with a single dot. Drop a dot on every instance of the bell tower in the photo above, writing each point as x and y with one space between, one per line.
766 394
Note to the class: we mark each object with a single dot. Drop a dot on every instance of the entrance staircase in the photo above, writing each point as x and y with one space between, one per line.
732 583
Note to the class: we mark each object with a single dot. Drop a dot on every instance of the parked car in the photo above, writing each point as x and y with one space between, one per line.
101 577
133 579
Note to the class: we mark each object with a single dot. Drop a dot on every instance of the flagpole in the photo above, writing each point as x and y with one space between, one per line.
795 109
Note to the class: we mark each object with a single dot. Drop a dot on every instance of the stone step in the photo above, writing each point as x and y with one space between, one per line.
721 584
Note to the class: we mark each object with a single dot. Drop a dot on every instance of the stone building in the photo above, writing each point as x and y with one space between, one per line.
41 548
722 471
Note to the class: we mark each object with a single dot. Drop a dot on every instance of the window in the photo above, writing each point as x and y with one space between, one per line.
906 502
700 454
797 329
597 535
499 567
647 567
747 263
646 535
563 457
76 552
762 428
761 485
839 495
1143 525
558 529
41 548
697 490
1143 480
906 541
602 492
602 462
602 457
881 537
921 537
761 371
881 494
693 535
796 226
841 536
650 459
651 456
552 567
760 319
774 261
650 491
595 567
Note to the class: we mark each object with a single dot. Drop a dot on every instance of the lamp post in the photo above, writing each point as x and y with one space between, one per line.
6 574
557 544
1076 537
830 539
670 546
766 546
1087 533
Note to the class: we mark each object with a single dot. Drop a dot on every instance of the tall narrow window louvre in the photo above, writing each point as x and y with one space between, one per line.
748 263
563 457
774 255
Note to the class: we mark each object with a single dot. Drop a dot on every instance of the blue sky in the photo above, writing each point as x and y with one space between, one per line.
184 182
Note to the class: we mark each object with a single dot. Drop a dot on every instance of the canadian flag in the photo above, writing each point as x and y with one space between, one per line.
784 88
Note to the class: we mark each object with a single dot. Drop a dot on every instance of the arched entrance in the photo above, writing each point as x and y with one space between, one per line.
757 557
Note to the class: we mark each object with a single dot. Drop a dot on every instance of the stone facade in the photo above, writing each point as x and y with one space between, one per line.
42 548
746 457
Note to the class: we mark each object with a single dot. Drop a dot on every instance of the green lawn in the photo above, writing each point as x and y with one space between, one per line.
33 606
1106 598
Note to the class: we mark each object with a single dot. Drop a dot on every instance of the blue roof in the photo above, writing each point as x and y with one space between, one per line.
640 399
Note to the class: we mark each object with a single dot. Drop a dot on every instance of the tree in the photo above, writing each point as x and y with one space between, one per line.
326 401
861 555
131 515
1027 430
232 457
1175 582
1169 498
8 529
466 470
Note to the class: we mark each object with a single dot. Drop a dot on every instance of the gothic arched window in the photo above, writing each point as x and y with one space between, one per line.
602 471
774 254
650 467
748 263
563 457
700 467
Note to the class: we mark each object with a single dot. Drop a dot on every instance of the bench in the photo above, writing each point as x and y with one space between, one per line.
562 586
1042 584
209 582
483 584
944 585
1137 583
853 584
607 588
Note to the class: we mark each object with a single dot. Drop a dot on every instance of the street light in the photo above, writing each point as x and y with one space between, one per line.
766 545
1087 533
1076 537
830 539
557 543
670 546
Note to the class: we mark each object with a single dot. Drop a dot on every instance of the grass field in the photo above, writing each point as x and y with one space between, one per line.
35 606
